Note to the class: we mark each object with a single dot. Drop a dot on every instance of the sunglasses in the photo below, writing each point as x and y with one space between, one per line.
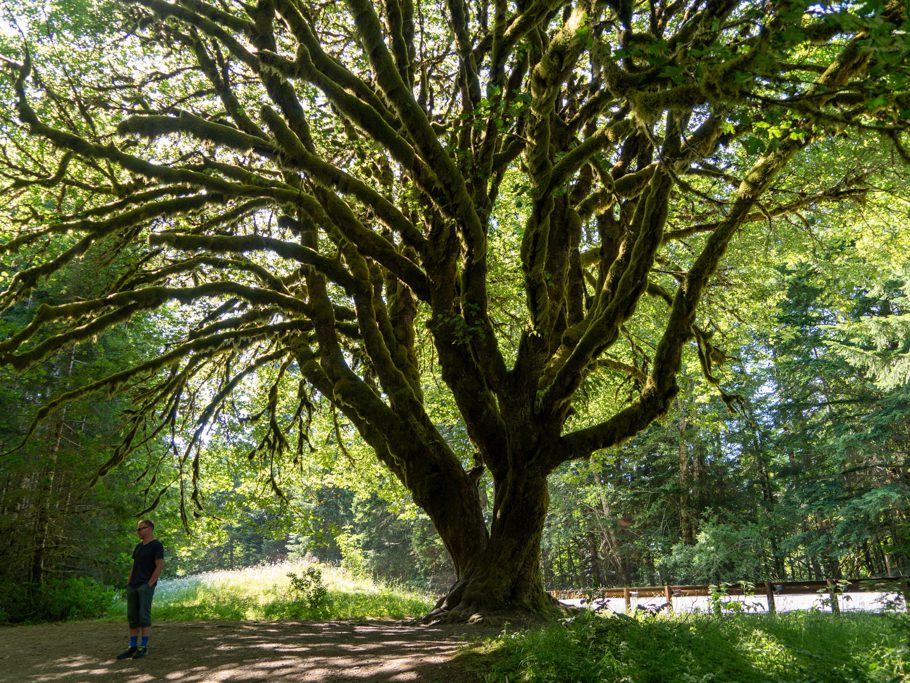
138 529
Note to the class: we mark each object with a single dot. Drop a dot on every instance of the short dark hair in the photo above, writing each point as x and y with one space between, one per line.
147 522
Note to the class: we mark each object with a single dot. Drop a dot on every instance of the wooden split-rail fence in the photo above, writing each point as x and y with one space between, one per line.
771 589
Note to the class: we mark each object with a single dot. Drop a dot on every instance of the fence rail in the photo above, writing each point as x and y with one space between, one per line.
771 589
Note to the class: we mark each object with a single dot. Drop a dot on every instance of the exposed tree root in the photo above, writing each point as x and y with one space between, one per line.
493 613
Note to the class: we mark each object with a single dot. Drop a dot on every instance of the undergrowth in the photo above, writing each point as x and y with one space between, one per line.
795 647
56 600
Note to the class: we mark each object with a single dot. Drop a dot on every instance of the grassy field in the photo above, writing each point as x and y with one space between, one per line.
269 593
795 647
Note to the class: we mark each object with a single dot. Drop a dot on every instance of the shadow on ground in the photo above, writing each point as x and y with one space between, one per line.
270 651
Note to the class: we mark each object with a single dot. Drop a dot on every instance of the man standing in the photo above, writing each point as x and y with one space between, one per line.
148 561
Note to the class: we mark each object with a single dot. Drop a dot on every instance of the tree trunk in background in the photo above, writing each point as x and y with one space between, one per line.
45 492
686 522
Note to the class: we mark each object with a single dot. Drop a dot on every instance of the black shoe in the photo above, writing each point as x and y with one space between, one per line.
128 653
140 652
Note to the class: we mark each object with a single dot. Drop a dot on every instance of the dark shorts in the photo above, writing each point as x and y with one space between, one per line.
139 605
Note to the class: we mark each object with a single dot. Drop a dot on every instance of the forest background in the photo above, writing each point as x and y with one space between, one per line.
789 460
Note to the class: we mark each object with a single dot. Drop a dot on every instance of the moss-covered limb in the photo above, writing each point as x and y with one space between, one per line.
379 126
499 94
470 81
661 385
546 80
851 61
370 116
402 314
701 26
240 265
509 149
409 445
234 22
233 216
314 372
380 426
153 126
329 69
210 412
834 194
400 17
535 15
547 76
279 88
605 322
476 402
379 340
24 359
218 75
577 296
260 184
244 243
24 280
610 134
372 244
111 153
414 120
482 335
151 207
48 181
650 88
420 459
333 178
345 389
396 335
196 17
133 198
223 319
651 404
453 338
122 305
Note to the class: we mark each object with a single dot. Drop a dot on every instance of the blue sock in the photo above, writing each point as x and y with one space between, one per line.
145 641
133 640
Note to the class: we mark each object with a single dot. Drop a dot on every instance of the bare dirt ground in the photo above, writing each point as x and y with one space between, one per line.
246 651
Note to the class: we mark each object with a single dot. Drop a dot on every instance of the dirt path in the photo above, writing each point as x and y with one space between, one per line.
246 651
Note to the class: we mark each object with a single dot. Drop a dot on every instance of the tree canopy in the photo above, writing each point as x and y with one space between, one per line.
507 208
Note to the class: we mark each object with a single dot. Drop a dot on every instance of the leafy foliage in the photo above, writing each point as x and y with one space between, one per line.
793 647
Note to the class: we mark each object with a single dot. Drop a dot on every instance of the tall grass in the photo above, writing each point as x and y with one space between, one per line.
266 593
804 647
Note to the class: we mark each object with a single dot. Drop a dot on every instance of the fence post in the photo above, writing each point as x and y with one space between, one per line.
668 594
832 591
627 596
769 591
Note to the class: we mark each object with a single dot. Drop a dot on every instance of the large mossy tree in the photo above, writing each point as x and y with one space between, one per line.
515 202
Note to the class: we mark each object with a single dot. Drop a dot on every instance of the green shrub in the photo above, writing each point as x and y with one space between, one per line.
16 601
78 597
308 588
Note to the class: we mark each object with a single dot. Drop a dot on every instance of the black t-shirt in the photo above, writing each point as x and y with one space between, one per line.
144 556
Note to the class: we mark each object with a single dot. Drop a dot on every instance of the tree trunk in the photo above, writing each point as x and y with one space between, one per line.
45 492
504 580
